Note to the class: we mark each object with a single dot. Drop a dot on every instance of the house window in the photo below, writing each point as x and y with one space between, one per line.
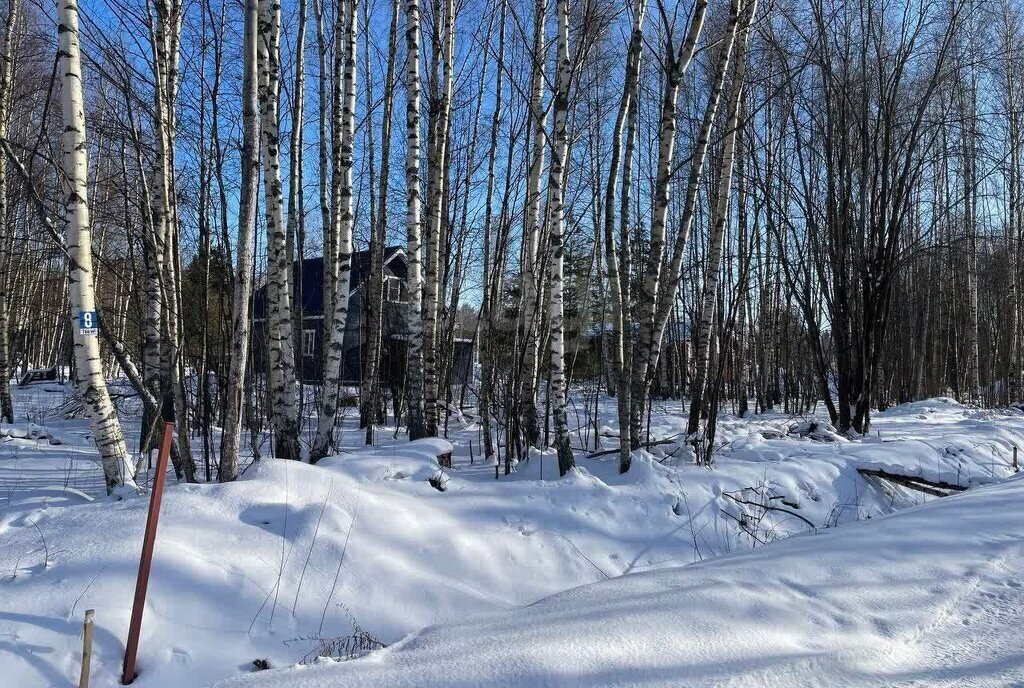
393 290
308 342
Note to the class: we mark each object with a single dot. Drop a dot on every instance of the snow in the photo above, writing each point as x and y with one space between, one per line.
927 597
658 575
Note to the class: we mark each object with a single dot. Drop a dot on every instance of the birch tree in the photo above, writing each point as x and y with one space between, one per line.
165 342
533 231
296 191
413 224
556 221
647 298
720 218
436 194
280 337
654 320
492 279
1010 36
90 384
6 235
242 282
968 101
617 261
343 134
370 405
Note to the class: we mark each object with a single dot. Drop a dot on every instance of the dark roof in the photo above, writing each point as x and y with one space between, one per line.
312 272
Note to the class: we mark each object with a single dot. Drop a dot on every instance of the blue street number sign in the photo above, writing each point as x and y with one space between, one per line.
88 322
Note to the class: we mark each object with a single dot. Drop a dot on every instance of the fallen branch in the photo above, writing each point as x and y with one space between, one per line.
769 507
606 452
936 488
744 528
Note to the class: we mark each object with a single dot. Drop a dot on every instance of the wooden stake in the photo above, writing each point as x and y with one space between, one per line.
83 679
146 560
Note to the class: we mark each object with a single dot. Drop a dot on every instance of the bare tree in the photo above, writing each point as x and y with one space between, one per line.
242 282
89 380
6 235
280 338
413 224
556 222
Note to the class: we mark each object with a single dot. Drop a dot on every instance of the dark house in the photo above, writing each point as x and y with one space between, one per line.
308 291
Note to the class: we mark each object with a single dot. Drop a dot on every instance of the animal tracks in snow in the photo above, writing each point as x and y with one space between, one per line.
969 630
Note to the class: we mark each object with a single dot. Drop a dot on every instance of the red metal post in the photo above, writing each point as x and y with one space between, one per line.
142 582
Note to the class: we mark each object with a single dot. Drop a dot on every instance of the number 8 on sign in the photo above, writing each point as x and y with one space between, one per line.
88 321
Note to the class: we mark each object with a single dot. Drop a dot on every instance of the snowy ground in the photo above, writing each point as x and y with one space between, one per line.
932 596
267 567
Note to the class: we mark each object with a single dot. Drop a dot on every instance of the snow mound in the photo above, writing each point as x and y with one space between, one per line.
293 557
932 596
31 432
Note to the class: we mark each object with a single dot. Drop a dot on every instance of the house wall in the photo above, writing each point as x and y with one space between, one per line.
395 327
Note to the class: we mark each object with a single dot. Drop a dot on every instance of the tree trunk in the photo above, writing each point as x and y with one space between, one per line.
413 224
650 287
89 381
343 134
242 284
654 320
491 279
556 221
284 416
720 218
6 235
437 190
533 230
370 406
618 264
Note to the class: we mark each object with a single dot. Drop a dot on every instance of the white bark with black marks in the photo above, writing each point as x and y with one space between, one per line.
90 384
617 261
437 189
413 224
342 197
556 221
720 219
242 291
647 352
6 235
533 231
284 410
652 281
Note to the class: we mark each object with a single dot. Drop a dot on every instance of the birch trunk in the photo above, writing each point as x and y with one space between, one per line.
491 279
676 68
284 416
437 191
1014 233
153 262
239 337
647 353
90 384
205 153
743 259
556 221
1012 225
720 218
6 235
166 350
413 223
618 280
971 227
342 142
327 227
370 413
533 230
296 204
